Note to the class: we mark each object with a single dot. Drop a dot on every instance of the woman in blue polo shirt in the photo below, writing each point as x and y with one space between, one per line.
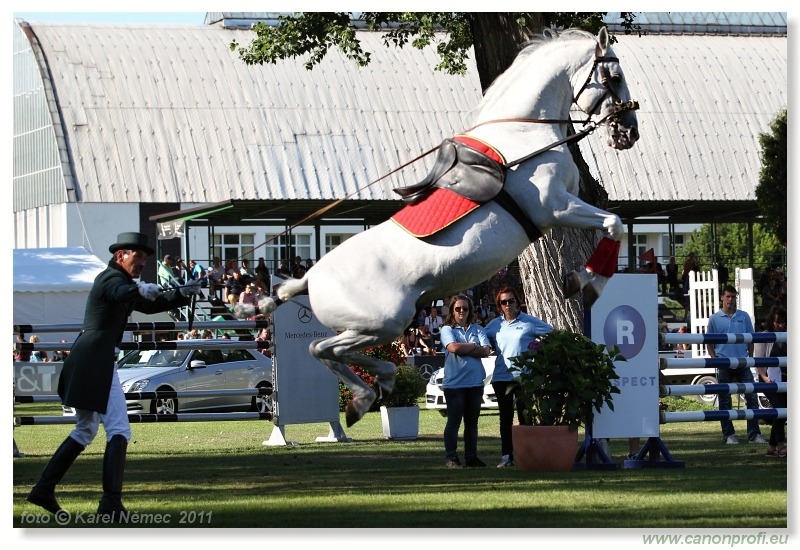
511 334
464 345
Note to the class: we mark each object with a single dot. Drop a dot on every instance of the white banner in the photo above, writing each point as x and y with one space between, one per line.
626 315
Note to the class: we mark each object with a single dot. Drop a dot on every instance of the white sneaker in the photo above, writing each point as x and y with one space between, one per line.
758 439
732 440
505 462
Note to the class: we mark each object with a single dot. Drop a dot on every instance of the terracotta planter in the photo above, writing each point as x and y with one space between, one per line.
544 448
400 422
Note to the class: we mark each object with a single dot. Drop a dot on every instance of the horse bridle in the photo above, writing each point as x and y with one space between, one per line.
619 105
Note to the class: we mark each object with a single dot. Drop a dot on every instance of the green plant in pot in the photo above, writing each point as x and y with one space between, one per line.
408 388
399 410
560 383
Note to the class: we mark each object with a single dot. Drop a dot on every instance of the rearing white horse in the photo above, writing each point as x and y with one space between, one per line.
370 287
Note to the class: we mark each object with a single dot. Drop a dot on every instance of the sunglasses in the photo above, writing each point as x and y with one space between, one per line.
461 309
510 301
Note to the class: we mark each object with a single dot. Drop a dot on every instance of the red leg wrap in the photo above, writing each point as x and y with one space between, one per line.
604 259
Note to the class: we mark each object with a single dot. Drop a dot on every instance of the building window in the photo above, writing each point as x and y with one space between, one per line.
640 247
233 246
332 240
281 246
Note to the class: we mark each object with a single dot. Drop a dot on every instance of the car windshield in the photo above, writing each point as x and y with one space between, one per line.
153 358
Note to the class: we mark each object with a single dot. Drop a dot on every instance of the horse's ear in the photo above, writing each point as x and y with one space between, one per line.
602 42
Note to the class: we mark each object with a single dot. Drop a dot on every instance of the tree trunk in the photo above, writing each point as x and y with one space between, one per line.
497 38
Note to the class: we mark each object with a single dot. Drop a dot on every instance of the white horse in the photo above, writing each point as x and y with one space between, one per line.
370 287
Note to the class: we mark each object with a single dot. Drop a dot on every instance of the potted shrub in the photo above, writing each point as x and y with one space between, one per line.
561 381
399 411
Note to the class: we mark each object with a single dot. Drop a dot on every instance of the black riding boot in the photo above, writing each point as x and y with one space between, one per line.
113 470
43 493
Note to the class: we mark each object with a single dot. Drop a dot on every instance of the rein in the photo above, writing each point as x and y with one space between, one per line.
590 126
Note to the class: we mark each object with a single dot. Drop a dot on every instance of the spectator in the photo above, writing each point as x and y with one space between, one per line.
168 275
234 288
37 356
722 273
671 270
464 344
728 319
408 342
689 265
426 340
198 273
246 271
776 322
434 323
484 309
510 335
216 277
309 263
771 295
283 270
263 271
21 355
248 296
60 355
208 335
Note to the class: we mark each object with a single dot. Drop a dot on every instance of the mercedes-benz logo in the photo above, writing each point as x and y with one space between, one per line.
304 314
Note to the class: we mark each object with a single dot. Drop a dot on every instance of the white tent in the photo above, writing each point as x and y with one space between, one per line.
51 286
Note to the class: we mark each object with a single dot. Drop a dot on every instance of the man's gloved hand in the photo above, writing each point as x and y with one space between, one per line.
149 291
191 288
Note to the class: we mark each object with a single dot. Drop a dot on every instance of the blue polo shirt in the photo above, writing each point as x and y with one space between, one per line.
722 323
462 371
511 338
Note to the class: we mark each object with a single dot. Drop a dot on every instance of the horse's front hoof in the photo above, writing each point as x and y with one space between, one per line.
357 408
571 284
594 289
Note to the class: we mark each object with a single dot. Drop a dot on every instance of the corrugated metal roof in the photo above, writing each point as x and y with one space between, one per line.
169 114
703 102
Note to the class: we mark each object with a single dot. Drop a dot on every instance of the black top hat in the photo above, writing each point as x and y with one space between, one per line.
131 241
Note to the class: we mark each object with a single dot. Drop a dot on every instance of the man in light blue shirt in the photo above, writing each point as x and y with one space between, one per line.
731 320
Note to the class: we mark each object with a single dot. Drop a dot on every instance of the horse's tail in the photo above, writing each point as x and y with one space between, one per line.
286 291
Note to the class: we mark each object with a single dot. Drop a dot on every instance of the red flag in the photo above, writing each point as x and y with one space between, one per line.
648 256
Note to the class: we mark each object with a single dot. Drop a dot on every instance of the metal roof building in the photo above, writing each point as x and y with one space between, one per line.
115 126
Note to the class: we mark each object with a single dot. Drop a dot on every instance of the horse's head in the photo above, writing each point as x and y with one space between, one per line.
605 94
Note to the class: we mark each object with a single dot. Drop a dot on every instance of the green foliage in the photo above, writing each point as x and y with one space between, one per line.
564 378
408 388
387 352
313 34
771 189
732 245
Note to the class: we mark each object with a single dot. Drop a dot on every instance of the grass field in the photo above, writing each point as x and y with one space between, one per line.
219 475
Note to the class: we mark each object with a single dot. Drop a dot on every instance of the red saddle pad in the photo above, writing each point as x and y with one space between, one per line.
433 213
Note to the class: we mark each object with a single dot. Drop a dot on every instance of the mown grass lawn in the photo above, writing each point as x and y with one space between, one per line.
220 475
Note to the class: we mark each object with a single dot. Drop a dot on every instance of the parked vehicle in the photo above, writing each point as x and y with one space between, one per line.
201 369
434 396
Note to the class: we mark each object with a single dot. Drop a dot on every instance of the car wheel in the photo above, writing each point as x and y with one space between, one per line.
707 398
164 405
262 403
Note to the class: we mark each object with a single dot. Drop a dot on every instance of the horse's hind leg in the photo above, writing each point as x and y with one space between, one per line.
338 352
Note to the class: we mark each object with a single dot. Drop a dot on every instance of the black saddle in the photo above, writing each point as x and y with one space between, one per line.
461 169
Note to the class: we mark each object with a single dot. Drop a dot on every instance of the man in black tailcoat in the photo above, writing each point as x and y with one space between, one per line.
88 379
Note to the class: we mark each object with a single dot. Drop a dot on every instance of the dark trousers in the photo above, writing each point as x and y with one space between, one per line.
740 375
505 405
778 433
462 403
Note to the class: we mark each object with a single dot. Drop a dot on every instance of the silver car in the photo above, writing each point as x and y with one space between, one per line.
199 369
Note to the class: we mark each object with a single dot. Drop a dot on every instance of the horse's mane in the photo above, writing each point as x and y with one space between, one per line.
528 49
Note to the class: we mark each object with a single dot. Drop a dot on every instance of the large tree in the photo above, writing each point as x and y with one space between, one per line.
771 190
495 38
